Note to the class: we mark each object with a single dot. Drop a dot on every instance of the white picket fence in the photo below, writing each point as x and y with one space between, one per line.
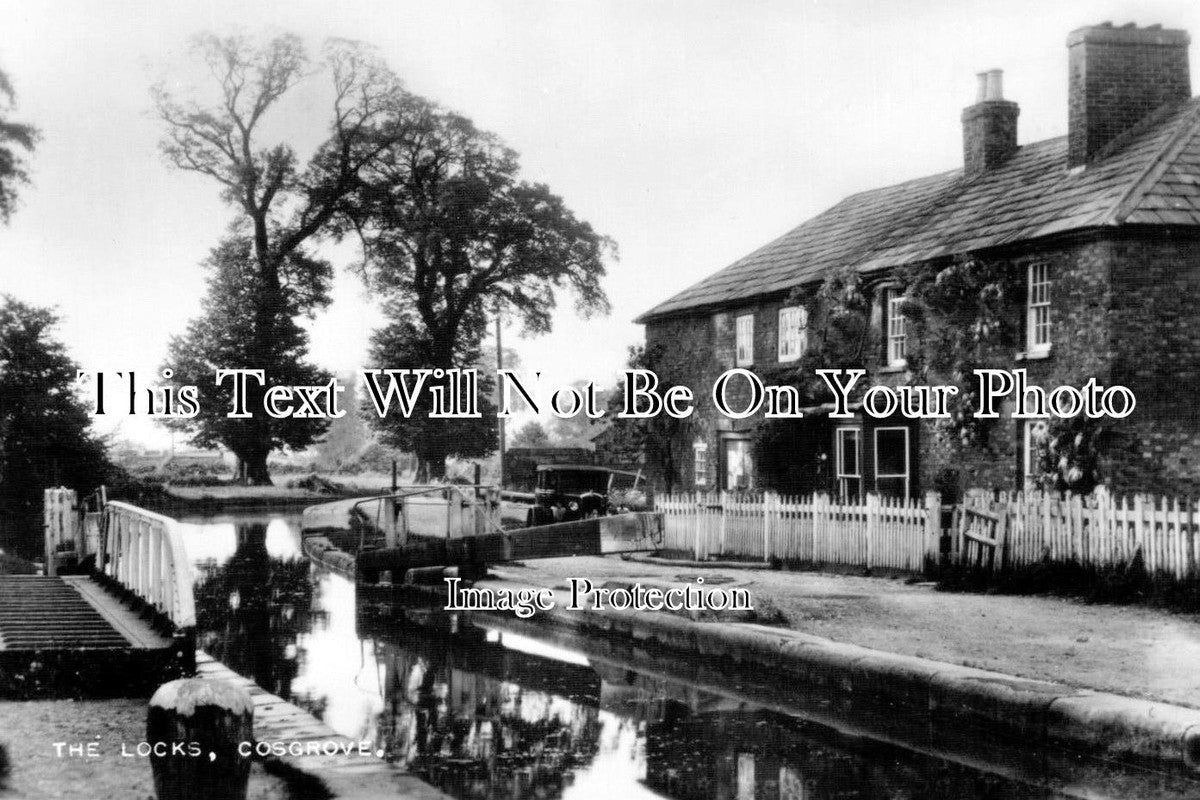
877 532
1096 530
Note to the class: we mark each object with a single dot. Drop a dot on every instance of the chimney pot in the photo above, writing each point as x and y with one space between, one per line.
982 93
995 84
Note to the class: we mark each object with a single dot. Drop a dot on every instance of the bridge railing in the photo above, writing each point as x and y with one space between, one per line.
144 552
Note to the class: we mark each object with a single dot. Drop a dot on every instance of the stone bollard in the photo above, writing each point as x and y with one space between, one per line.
195 728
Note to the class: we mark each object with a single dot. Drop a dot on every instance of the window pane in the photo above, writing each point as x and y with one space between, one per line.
1038 312
745 340
847 452
792 334
893 327
892 487
739 465
850 488
891 451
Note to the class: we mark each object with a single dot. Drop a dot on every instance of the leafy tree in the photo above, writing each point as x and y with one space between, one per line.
576 431
404 344
531 434
222 337
450 234
663 441
348 436
45 430
281 205
16 139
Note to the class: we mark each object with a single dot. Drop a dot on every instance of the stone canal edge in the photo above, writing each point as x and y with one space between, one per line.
351 777
1038 712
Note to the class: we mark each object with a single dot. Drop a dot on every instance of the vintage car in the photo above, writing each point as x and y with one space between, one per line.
566 492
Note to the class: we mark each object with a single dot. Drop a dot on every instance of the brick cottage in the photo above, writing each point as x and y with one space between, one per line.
1100 229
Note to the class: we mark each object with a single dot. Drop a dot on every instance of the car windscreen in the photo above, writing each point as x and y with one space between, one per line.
573 481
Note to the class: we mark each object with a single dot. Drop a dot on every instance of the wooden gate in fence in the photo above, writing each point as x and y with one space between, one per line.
1096 530
877 532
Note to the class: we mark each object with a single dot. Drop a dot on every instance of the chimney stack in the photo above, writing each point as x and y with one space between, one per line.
1117 77
989 126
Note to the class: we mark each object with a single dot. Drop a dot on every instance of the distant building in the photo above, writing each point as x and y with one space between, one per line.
613 453
1102 227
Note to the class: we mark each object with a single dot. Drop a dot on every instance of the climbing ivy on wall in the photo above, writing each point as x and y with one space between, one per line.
969 314
1070 455
962 314
839 336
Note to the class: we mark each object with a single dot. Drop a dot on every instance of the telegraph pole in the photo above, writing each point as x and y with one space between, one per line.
499 398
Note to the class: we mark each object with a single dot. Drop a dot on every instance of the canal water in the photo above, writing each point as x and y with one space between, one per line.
483 712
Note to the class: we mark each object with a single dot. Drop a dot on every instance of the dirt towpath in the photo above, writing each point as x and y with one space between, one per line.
1133 651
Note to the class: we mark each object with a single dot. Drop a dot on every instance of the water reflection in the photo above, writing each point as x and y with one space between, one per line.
253 606
342 680
480 720
485 713
214 539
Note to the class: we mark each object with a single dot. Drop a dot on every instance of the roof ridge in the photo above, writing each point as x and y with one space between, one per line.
1032 195
941 175
1155 169
933 176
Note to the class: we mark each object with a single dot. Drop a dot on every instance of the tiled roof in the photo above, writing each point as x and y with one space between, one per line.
1151 176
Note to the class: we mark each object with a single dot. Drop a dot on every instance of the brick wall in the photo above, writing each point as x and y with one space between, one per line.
989 135
1081 349
1117 77
1156 352
700 348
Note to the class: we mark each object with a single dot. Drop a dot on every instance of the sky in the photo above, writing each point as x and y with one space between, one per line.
690 132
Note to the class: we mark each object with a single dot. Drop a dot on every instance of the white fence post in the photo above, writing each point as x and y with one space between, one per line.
820 528
724 499
872 528
933 528
770 504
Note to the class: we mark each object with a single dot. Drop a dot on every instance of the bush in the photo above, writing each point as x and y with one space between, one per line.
315 483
